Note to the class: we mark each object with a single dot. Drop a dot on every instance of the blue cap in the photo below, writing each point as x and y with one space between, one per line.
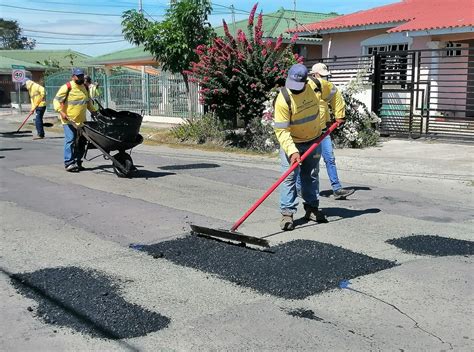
77 71
297 76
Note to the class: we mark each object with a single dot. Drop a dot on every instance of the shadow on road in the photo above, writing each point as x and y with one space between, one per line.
151 174
14 134
342 213
348 213
327 193
189 166
138 174
9 149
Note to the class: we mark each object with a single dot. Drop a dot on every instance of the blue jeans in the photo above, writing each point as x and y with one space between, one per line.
330 161
39 120
74 147
308 172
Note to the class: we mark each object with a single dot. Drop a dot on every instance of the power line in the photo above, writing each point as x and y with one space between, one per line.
74 34
110 42
125 4
58 38
68 12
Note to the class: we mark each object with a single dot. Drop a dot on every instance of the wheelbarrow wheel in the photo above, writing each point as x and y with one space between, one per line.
126 161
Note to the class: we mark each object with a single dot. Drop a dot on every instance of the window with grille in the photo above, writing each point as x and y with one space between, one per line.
455 49
387 47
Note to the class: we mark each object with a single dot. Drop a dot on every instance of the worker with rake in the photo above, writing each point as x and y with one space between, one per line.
297 125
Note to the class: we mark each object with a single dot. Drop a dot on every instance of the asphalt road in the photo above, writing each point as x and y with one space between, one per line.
100 228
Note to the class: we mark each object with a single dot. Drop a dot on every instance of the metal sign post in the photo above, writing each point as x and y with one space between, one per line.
18 75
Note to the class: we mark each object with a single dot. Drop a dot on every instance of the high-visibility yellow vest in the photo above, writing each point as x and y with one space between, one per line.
305 121
74 102
37 94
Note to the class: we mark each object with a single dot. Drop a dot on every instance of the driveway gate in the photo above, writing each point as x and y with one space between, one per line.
425 92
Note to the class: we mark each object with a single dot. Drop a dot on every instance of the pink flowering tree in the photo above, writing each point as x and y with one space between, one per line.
236 73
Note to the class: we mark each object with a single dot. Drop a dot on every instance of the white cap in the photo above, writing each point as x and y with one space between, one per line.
320 69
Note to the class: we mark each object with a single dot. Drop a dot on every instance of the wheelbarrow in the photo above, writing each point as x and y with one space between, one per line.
122 161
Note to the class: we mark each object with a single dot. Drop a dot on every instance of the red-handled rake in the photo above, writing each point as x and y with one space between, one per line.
232 234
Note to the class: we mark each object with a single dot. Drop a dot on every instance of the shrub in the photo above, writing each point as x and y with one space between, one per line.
360 128
236 73
206 129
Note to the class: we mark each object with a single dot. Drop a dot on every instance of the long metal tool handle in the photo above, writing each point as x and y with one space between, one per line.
31 113
282 178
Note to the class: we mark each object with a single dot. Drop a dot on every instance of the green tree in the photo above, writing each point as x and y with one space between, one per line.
173 40
11 37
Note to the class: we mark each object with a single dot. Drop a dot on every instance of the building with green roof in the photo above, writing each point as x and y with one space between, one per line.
277 23
133 56
6 65
64 58
36 62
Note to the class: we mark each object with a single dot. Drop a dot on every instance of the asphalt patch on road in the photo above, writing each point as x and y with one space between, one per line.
433 245
295 270
86 301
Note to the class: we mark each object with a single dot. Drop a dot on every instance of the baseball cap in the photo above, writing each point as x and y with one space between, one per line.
297 75
320 69
24 80
77 71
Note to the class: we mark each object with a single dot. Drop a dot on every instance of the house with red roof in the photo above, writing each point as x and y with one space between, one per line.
427 47
404 25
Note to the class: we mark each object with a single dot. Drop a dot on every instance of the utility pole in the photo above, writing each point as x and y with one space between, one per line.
143 70
233 19
294 13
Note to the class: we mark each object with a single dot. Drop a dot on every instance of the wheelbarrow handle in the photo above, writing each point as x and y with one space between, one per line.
96 101
316 143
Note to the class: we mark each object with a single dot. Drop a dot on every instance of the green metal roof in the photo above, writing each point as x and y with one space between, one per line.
40 56
6 64
277 23
122 56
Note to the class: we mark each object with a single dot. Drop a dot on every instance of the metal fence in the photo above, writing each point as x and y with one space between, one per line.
157 95
415 92
426 92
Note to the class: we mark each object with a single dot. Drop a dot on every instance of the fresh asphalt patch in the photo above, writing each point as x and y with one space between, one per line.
433 245
86 301
293 270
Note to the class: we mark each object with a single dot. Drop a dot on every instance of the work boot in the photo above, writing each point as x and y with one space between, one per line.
38 137
286 223
342 193
314 214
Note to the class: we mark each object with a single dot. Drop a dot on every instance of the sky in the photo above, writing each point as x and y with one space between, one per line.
93 27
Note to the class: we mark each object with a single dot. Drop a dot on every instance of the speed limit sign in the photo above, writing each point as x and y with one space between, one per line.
18 75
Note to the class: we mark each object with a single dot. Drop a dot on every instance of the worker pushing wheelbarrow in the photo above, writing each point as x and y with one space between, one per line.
110 131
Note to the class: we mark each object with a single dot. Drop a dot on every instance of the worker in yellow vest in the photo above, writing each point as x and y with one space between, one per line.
71 102
298 123
320 72
94 91
38 105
